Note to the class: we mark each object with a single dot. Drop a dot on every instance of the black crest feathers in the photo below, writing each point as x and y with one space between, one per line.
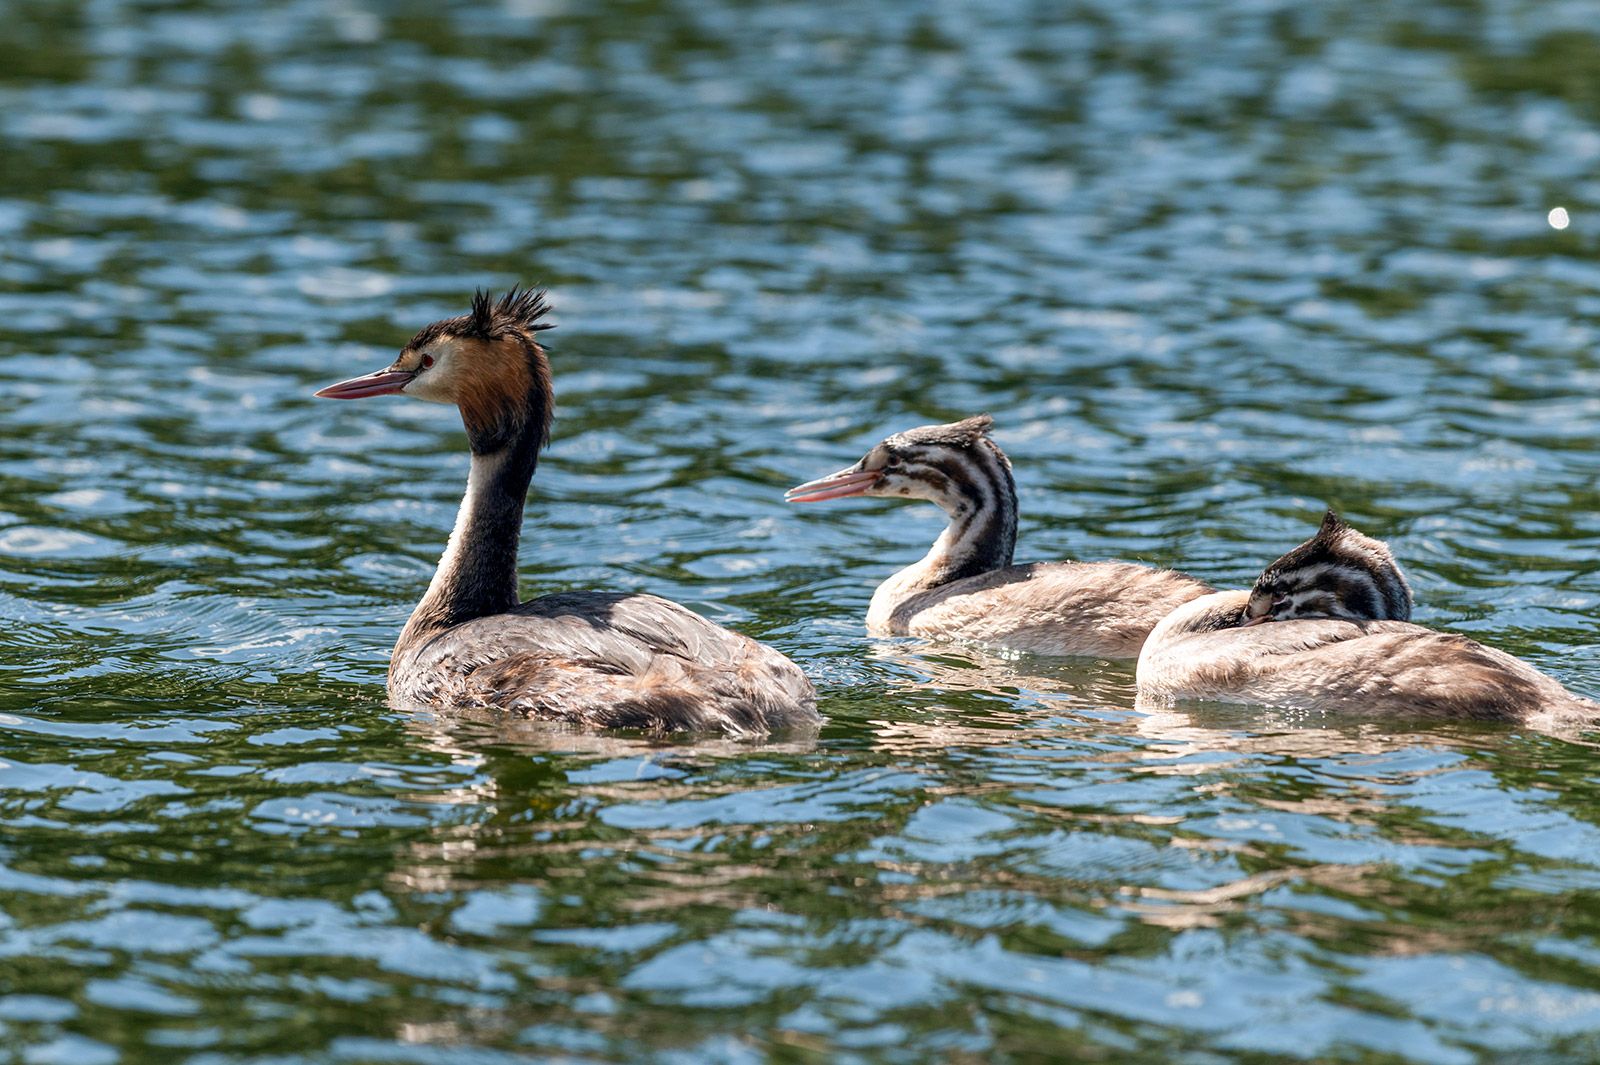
520 308
1320 548
480 320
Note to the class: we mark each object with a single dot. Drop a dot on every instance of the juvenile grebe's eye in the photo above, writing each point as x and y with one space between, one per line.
427 361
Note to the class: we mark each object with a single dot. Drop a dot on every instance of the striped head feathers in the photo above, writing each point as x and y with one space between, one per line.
945 464
955 466
488 362
1338 573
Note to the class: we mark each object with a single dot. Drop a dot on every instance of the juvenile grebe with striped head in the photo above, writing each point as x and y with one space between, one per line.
966 587
1338 573
592 658
1326 628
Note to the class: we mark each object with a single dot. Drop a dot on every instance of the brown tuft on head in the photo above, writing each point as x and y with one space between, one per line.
964 433
1332 527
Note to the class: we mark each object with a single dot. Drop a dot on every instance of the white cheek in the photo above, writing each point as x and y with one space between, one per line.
433 384
428 388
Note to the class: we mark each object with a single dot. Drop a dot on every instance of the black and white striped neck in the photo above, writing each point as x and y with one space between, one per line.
974 487
978 493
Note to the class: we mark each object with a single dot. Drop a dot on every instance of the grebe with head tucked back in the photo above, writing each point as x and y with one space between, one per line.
1325 628
966 587
591 658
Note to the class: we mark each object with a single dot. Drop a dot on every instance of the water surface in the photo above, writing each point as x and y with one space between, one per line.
1211 266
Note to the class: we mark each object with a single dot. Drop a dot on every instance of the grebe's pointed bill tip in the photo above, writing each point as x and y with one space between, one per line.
382 383
850 482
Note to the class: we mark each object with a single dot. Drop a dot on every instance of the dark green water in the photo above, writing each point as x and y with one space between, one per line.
1210 265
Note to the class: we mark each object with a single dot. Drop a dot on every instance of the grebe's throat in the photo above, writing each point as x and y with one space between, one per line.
477 575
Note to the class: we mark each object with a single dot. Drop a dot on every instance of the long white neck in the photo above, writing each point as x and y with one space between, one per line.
976 491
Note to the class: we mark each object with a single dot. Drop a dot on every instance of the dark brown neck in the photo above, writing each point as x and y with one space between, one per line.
477 576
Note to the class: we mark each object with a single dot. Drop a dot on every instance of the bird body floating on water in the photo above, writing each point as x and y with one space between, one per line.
1327 627
607 659
966 587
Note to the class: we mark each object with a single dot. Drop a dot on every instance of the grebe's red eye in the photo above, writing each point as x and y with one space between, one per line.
427 361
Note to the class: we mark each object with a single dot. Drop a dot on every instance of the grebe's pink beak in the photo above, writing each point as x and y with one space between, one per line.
847 482
382 383
1262 620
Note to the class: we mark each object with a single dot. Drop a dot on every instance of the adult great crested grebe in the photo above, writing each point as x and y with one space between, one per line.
966 587
594 658
1325 628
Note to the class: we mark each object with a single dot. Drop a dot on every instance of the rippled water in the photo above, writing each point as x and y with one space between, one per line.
1210 265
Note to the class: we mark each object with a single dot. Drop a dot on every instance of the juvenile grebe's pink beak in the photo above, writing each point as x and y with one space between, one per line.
1262 620
849 482
382 383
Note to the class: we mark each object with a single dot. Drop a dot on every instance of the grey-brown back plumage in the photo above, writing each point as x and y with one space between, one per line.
1093 609
608 660
1390 669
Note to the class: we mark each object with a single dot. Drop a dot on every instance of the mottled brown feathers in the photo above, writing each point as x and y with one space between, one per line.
1094 609
1389 669
606 660
964 433
670 695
